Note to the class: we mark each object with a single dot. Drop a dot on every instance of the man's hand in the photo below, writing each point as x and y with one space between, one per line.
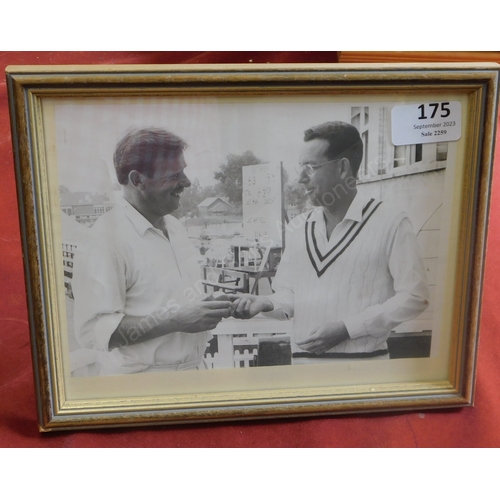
246 306
201 315
219 296
324 338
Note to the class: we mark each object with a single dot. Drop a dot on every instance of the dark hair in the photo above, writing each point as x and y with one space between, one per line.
139 150
343 139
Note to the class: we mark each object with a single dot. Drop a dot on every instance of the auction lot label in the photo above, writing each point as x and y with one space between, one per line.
426 122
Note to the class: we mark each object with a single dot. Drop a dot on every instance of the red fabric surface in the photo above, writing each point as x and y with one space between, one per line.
467 427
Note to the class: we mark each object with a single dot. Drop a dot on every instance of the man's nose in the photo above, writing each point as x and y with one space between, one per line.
185 182
303 177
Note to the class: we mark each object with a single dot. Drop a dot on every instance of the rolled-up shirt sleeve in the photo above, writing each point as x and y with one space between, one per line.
411 288
99 288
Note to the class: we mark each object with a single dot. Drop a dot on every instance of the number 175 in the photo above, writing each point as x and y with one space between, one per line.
444 106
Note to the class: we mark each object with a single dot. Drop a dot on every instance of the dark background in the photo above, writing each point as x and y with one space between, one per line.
467 427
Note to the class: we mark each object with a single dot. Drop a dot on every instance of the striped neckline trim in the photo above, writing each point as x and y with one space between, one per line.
322 262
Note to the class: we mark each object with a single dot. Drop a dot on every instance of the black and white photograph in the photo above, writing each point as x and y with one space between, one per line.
214 233
222 243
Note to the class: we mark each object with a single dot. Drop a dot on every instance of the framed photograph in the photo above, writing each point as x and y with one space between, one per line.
228 242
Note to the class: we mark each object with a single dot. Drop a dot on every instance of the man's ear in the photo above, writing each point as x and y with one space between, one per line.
345 168
135 178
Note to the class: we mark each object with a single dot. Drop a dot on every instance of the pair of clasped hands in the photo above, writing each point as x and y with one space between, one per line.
241 306
245 306
206 314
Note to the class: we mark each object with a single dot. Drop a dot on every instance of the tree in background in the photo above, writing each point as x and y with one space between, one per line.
230 175
63 190
294 193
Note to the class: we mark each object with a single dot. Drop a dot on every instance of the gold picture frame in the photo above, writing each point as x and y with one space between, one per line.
62 115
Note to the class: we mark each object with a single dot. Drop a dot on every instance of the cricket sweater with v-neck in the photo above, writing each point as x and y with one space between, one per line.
368 274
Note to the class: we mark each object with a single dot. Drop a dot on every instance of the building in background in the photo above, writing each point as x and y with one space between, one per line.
84 207
214 206
411 178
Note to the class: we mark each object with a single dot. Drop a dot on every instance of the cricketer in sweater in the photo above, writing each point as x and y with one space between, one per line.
351 270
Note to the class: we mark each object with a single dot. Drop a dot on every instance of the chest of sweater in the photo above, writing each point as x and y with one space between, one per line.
350 272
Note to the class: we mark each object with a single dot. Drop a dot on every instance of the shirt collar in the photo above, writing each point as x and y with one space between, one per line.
354 212
140 223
